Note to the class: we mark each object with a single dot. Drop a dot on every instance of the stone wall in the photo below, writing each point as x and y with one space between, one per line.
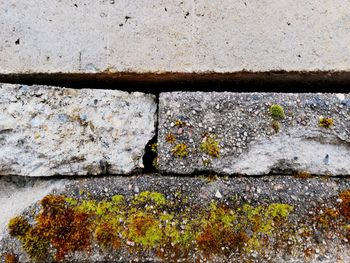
93 170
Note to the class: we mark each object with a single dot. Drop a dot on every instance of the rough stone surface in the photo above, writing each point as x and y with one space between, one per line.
47 131
169 36
313 233
242 126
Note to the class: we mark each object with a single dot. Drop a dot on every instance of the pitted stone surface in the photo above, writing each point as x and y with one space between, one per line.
47 131
242 126
173 36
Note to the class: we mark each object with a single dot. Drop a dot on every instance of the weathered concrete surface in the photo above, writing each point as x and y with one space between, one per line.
47 131
312 231
166 36
242 126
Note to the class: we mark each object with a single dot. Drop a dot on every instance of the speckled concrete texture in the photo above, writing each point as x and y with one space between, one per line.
173 36
47 131
310 233
235 133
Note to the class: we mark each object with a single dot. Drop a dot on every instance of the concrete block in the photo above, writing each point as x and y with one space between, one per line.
254 133
47 131
161 36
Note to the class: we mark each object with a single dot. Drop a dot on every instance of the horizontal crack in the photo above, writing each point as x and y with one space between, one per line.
274 81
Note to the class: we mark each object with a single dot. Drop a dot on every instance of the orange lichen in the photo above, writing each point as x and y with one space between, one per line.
67 230
216 238
303 175
344 206
170 138
10 258
107 236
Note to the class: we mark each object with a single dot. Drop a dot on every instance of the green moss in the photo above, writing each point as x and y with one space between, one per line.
106 234
71 201
154 147
118 200
149 198
278 211
35 244
210 147
262 219
87 206
148 221
326 122
18 226
155 163
180 150
31 238
276 126
144 229
217 231
277 112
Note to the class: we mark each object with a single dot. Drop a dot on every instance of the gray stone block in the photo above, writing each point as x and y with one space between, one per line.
47 131
235 133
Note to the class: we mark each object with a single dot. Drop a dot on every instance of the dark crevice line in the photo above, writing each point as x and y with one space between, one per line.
149 155
275 81
25 179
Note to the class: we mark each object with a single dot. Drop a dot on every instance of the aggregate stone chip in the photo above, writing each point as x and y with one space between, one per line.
255 133
46 131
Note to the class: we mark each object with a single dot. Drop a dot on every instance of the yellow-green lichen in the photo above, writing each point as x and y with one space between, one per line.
210 147
326 122
180 123
180 150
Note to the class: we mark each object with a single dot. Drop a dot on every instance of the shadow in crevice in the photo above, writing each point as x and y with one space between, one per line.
278 81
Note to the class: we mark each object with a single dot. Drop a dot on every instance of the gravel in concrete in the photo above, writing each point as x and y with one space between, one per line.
310 233
47 131
237 133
